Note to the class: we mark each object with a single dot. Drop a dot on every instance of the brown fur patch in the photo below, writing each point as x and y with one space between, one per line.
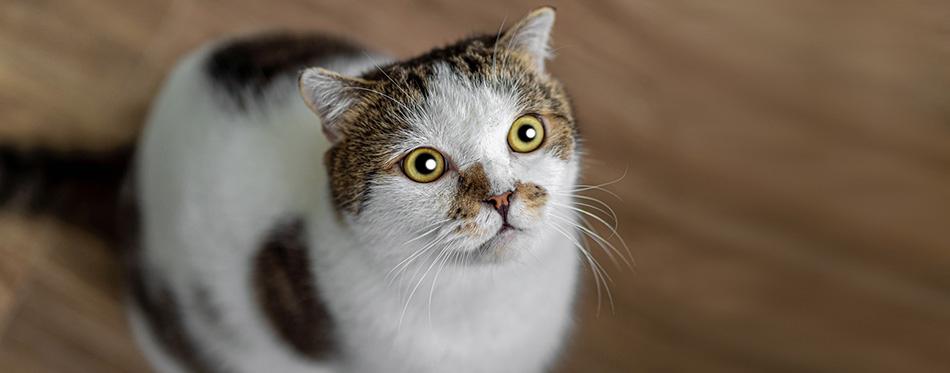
533 195
468 228
162 314
473 188
163 317
561 138
286 290
249 65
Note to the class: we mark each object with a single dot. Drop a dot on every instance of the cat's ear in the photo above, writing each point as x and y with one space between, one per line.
330 95
532 35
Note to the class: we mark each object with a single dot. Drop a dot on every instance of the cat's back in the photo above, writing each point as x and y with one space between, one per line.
229 155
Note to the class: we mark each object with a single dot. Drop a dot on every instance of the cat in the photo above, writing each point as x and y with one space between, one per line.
303 204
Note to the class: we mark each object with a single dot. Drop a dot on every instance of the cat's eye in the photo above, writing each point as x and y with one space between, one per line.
526 134
424 165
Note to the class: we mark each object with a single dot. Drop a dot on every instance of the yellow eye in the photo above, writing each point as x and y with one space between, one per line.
424 165
526 134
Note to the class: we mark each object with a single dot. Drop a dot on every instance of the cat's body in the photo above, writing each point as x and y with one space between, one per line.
270 243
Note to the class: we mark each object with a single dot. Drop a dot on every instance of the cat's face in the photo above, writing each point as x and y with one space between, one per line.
467 151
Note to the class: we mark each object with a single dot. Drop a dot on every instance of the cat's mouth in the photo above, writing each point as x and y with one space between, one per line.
497 243
506 230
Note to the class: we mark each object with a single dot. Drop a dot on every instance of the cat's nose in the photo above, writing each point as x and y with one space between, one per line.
500 203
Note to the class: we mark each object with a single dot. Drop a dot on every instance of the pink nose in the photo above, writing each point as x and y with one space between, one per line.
500 202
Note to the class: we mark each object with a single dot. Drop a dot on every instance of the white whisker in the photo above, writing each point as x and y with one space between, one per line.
437 225
597 271
600 241
495 46
592 199
613 216
582 187
391 79
418 283
434 280
612 234
406 262
384 95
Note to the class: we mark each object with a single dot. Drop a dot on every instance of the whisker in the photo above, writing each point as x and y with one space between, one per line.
600 241
585 251
437 225
591 233
596 270
612 234
608 212
582 187
384 95
436 279
429 252
405 263
587 232
587 198
418 283
495 47
589 187
508 47
575 203
391 79
586 187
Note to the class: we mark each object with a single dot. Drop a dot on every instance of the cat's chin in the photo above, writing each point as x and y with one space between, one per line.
500 248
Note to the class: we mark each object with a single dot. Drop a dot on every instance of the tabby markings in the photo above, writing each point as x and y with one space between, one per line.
473 188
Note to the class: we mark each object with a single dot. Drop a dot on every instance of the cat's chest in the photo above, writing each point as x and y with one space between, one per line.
519 336
449 323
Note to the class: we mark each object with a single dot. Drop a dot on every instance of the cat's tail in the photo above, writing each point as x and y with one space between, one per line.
80 188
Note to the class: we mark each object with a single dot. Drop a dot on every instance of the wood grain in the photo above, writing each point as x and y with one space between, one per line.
787 194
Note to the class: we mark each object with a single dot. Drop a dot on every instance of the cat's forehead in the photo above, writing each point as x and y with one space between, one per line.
459 98
462 115
475 56
473 60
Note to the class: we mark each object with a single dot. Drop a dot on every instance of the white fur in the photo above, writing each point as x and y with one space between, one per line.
211 182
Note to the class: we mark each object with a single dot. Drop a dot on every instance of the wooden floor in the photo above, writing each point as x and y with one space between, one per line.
787 188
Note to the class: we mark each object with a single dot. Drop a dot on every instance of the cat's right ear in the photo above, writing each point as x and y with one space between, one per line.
330 95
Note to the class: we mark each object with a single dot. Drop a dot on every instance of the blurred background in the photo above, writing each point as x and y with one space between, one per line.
787 188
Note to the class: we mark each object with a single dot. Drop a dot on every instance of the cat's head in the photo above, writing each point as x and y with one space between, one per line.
470 147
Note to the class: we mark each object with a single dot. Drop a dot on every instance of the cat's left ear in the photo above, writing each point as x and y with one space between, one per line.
330 95
531 35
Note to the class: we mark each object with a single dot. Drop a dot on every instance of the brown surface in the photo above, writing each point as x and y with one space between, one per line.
787 195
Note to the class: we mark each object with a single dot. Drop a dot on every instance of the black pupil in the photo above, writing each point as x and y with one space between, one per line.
523 134
422 163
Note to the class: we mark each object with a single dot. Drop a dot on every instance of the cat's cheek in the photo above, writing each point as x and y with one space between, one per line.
469 229
523 217
529 205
